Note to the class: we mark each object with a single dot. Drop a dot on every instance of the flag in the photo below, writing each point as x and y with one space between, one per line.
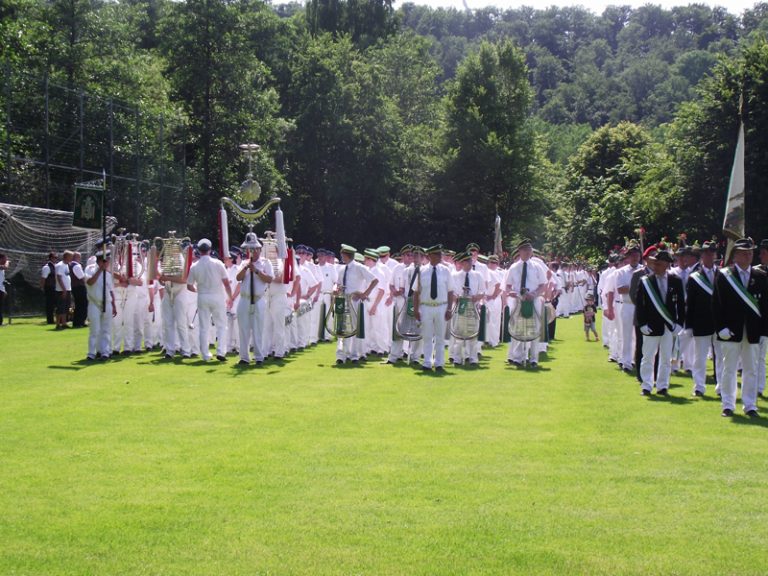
733 223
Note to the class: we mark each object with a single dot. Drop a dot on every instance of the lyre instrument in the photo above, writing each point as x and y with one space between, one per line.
127 261
341 320
172 258
407 327
465 321
524 321
304 307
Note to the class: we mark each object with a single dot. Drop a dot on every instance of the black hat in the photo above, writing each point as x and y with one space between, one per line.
764 244
711 246
744 244
524 243
663 256
472 246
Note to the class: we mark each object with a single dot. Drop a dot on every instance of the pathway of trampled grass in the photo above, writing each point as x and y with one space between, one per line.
139 466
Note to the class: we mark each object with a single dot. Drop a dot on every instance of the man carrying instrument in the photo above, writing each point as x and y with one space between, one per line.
740 306
660 316
254 275
469 286
98 284
400 286
432 306
355 283
626 307
525 284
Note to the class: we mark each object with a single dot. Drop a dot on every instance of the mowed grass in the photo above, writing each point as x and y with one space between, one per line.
139 466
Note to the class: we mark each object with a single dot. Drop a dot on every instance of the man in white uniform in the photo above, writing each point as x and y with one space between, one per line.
98 283
432 307
208 277
254 275
626 310
357 282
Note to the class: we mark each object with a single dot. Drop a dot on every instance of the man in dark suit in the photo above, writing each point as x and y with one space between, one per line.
740 307
660 314
698 315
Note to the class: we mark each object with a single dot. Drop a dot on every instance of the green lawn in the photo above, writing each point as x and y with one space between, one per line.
139 466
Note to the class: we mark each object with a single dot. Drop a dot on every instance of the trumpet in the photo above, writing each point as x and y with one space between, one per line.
341 319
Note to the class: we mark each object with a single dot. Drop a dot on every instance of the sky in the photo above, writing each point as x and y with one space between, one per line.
597 6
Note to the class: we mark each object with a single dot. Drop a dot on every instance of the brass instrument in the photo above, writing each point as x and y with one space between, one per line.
341 319
169 254
465 321
524 321
407 327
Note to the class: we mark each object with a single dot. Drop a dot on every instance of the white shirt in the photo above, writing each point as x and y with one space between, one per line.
534 277
358 277
260 287
476 282
208 274
444 283
96 290
63 281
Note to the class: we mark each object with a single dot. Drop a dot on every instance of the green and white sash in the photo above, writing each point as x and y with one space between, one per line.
658 303
703 282
739 288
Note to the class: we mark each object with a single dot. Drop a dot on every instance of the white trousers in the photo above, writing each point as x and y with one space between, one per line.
748 353
250 322
701 348
211 306
99 330
661 345
761 365
124 322
433 326
627 333
175 324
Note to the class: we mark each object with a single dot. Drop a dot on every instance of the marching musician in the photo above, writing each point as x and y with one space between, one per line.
255 275
740 305
525 282
466 283
208 277
660 314
98 283
174 298
399 285
626 309
376 341
355 282
432 306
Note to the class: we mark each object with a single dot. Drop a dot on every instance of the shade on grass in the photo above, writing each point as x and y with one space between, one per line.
141 466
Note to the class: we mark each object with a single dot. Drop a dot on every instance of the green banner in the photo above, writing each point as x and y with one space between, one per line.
89 208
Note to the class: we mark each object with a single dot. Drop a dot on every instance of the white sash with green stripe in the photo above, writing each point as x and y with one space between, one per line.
739 288
703 282
658 303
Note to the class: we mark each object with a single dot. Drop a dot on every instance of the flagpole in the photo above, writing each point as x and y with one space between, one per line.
733 221
104 240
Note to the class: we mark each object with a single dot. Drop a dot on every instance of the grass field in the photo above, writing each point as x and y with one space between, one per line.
139 466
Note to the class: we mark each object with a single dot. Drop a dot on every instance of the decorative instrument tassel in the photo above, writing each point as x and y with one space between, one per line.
282 245
223 233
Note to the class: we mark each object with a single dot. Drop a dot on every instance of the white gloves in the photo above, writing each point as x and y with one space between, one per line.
646 330
677 329
725 334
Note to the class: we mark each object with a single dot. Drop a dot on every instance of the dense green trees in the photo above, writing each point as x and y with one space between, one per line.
391 126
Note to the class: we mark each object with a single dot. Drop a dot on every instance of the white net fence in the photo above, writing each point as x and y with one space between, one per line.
28 235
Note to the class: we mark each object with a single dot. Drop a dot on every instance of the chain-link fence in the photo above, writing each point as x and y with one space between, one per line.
55 135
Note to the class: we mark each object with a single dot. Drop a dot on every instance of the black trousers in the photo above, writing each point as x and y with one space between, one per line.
50 304
80 297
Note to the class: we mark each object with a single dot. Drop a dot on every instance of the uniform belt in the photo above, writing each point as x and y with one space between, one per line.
434 303
247 296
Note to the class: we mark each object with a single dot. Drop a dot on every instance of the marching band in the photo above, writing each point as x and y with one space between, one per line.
665 308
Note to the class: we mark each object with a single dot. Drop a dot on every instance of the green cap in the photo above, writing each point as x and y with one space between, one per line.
371 253
473 246
436 249
382 250
359 257
347 249
463 256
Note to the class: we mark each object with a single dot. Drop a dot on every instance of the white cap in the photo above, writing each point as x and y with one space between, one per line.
204 243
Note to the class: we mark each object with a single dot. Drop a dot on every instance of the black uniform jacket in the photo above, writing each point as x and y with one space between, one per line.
731 312
646 313
698 307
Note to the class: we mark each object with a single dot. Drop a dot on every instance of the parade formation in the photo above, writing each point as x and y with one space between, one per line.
665 308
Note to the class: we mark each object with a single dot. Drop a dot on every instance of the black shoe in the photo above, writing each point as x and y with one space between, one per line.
752 413
243 363
168 356
645 392
339 362
221 358
90 358
534 364
426 369
727 413
387 362
662 392
259 363
456 365
439 369
698 394
627 371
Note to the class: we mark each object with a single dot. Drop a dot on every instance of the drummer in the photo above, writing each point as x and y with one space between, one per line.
525 285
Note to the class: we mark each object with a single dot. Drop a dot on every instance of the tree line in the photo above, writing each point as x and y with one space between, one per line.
418 124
